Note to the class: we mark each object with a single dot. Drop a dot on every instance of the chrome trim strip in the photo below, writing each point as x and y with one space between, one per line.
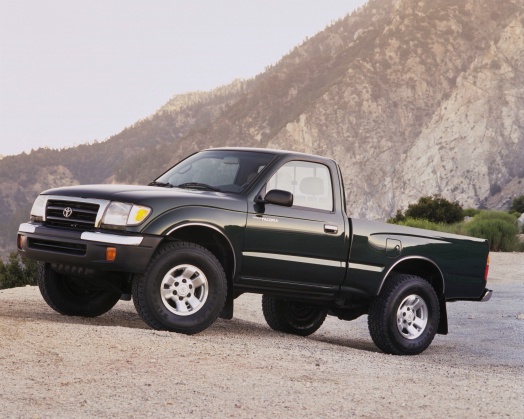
111 238
212 227
298 259
103 204
26 228
362 267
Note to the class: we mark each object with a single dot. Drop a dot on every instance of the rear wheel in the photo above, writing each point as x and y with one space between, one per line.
74 296
292 317
183 289
403 319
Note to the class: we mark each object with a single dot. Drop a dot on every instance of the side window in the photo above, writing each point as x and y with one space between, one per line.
310 184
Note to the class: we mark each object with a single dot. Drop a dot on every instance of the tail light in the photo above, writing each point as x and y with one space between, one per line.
487 269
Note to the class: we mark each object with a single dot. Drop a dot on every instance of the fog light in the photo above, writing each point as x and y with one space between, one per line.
110 254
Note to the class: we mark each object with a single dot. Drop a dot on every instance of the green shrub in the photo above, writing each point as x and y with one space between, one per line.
436 209
17 272
499 228
470 212
518 204
432 208
455 228
398 218
496 215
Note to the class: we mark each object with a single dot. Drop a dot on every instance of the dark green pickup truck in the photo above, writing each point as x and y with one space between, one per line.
227 221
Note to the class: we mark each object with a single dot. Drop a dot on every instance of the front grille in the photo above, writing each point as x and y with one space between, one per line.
71 214
57 247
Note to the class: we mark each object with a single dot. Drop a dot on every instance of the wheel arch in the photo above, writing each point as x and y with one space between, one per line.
210 237
420 266
429 270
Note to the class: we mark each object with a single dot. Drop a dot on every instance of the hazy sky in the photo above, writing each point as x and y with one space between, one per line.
73 71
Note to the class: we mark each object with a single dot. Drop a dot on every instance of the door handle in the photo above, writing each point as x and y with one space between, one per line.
328 228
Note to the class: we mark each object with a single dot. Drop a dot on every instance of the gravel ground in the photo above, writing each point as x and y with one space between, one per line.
115 366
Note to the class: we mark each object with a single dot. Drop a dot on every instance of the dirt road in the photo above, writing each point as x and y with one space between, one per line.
115 366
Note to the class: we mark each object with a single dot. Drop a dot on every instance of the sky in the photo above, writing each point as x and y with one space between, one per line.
76 71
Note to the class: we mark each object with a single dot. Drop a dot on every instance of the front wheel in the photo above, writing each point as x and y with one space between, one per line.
403 319
74 296
292 317
183 289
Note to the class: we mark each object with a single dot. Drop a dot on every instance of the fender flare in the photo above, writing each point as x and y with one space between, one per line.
212 227
425 259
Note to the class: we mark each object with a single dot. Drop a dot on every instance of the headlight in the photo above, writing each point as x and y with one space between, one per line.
119 214
38 209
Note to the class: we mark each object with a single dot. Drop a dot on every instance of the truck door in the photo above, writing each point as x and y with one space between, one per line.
301 245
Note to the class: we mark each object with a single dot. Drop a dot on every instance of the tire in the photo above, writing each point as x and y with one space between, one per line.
73 296
403 319
291 317
183 289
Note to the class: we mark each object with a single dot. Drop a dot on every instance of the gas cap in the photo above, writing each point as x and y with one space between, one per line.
393 248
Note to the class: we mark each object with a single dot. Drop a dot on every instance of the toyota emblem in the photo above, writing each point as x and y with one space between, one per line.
68 211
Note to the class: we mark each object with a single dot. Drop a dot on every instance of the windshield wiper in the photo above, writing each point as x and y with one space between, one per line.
161 184
198 185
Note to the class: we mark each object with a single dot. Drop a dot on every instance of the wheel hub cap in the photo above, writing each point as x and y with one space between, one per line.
184 290
412 316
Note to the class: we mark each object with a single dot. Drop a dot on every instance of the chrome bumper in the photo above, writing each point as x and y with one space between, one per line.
486 296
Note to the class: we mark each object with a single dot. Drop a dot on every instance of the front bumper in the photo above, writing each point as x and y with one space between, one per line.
85 248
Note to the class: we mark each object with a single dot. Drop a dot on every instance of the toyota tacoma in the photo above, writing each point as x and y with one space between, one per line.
227 221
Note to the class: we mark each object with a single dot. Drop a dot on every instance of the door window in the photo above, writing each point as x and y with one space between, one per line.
310 184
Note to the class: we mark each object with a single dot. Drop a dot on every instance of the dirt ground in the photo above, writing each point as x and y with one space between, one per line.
115 366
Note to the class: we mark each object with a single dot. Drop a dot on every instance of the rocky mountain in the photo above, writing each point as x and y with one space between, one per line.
412 97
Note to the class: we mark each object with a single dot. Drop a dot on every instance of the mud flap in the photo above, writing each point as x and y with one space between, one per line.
227 311
443 321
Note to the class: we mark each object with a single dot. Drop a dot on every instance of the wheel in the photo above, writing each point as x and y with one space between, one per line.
403 319
291 317
183 289
74 296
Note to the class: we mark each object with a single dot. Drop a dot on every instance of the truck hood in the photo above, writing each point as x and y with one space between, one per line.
153 196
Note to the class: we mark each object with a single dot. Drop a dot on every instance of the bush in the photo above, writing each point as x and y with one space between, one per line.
431 208
436 209
470 212
499 228
496 215
428 225
17 272
398 218
518 204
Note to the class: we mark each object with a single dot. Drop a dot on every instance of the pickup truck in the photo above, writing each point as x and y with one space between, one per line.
227 221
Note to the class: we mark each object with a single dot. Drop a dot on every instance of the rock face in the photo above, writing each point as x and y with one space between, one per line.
411 97
438 107
474 143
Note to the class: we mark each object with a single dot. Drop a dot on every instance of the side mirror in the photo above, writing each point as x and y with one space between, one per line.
279 197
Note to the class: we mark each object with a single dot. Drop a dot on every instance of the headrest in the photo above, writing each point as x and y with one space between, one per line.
312 186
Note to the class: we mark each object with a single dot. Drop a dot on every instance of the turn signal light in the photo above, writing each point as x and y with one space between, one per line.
110 254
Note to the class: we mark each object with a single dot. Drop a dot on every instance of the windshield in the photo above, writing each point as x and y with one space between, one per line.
217 170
